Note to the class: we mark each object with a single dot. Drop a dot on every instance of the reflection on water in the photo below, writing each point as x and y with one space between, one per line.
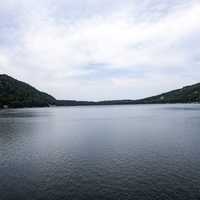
104 152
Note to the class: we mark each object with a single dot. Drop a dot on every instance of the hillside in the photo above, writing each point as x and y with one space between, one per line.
17 94
188 94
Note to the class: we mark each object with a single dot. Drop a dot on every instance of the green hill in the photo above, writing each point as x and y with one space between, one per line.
188 94
16 94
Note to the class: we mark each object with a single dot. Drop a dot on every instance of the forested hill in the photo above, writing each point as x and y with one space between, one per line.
17 94
188 94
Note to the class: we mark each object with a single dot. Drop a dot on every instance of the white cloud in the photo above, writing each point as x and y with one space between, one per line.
62 49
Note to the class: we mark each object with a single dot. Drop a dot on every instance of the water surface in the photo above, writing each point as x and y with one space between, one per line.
105 152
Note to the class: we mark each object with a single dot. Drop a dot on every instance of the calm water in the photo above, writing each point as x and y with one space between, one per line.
106 152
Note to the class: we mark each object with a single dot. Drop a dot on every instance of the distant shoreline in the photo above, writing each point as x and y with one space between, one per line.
17 94
101 105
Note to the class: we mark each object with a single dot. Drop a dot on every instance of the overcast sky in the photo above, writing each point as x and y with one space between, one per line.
101 49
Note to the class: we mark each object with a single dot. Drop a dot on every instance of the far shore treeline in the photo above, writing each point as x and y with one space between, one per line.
17 94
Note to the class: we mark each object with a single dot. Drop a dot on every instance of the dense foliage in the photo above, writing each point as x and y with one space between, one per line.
189 94
16 94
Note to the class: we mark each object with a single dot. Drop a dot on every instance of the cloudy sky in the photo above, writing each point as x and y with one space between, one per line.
101 49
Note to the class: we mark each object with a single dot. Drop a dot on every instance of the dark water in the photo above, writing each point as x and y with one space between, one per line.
109 152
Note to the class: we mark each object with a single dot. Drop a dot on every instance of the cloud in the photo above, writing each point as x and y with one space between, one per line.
73 50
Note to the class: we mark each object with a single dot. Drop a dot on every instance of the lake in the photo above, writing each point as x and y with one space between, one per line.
125 152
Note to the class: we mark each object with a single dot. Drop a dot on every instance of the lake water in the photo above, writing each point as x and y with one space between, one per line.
131 152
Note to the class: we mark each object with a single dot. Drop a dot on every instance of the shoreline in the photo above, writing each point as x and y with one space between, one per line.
99 105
